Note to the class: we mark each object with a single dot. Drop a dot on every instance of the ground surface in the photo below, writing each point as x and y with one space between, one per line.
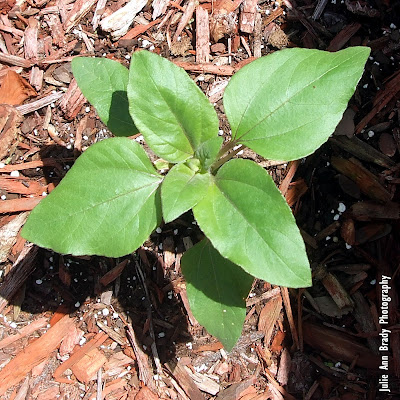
318 343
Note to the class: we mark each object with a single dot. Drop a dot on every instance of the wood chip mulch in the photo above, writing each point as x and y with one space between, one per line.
98 328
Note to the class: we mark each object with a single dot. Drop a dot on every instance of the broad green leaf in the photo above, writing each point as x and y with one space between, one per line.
181 190
103 82
171 112
217 290
249 222
286 105
107 204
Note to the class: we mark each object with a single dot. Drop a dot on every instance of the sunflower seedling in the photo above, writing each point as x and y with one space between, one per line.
282 106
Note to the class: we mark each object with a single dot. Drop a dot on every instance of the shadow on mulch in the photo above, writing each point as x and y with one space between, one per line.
73 283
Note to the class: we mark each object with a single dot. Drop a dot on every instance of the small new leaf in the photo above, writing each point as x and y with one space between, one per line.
294 99
171 112
103 82
207 152
181 190
107 204
217 290
249 222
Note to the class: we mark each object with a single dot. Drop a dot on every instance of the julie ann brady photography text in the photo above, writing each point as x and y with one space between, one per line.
384 334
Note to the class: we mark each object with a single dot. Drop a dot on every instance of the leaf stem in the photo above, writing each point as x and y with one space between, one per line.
227 157
226 148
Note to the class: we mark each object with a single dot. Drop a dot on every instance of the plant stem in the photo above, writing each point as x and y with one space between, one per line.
226 148
226 158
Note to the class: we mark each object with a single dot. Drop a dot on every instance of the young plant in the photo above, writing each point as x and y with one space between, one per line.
283 106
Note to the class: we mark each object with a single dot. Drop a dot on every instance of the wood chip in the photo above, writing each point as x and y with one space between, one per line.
73 101
367 211
15 60
80 353
10 120
187 15
25 331
38 104
225 70
235 390
23 390
348 231
296 191
284 186
114 273
365 180
289 314
371 232
216 89
222 24
265 296
119 386
46 162
276 389
169 252
22 185
145 370
333 287
268 317
18 205
119 22
86 368
50 393
56 29
79 10
329 230
118 338
100 7
185 381
15 89
276 345
327 306
257 36
185 301
71 339
36 78
362 150
8 234
284 367
139 30
363 316
203 382
343 36
159 7
33 354
382 98
339 345
31 38
387 145
202 36
18 274
146 394
117 363
248 16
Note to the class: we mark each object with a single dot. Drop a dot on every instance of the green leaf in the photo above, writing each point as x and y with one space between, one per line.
207 152
181 190
103 82
249 222
107 204
171 112
293 99
217 291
